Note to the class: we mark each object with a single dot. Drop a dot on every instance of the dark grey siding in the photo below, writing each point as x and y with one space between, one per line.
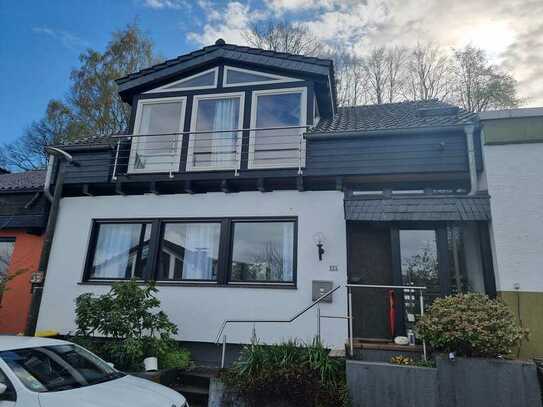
94 166
23 210
428 153
375 155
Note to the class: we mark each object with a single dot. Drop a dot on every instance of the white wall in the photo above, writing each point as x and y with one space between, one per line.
515 183
199 311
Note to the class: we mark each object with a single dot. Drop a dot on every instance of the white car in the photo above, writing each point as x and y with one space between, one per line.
40 372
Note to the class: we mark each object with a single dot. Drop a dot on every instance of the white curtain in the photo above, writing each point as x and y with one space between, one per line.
288 245
200 249
226 118
116 250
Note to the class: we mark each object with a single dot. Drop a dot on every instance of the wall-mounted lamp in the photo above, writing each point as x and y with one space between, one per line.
319 240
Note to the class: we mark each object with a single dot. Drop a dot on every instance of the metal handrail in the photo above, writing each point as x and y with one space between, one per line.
180 133
296 316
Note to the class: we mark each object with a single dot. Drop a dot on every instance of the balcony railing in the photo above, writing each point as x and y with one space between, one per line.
208 150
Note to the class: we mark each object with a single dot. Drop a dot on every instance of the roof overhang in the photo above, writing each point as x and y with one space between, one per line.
159 74
446 208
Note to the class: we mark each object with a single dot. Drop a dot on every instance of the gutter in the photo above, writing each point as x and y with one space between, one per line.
55 154
472 166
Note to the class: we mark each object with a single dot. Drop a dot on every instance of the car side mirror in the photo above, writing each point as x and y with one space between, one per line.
3 388
111 364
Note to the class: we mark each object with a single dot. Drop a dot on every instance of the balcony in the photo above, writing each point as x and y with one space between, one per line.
223 150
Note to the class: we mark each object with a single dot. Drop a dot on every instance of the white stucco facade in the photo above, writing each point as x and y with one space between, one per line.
199 311
515 183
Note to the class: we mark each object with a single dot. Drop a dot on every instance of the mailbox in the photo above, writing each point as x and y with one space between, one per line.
320 288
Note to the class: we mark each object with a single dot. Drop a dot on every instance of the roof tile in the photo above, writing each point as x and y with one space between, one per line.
22 181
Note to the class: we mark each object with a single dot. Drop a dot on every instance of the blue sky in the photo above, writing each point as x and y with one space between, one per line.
40 40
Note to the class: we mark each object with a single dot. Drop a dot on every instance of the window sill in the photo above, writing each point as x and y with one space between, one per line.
199 284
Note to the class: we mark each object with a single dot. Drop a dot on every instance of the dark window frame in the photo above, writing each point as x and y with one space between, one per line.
93 241
162 226
264 220
225 251
9 239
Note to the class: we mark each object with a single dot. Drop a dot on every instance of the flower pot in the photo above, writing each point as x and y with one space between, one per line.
151 364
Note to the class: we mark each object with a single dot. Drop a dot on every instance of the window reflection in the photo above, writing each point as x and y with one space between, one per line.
189 251
263 251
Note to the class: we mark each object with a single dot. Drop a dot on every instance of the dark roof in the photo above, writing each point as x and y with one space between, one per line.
22 181
235 52
395 116
418 208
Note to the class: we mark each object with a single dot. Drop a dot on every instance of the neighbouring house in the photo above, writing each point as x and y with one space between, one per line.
246 193
23 217
513 153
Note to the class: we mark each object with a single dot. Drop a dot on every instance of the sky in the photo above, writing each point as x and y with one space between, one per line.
41 40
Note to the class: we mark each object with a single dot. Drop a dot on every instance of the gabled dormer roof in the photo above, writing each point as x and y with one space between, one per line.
281 61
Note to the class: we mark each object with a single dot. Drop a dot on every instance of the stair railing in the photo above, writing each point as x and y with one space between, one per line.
285 321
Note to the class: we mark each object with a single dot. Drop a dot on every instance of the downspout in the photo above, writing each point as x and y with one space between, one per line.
472 166
37 287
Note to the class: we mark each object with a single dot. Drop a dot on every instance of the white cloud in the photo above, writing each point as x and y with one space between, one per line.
510 31
227 24
165 4
67 39
283 6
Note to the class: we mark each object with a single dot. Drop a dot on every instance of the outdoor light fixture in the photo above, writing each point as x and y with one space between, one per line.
319 240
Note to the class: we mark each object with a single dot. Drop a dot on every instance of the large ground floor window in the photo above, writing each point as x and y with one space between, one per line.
216 251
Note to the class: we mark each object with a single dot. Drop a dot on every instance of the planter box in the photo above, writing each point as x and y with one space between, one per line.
463 383
474 382
375 384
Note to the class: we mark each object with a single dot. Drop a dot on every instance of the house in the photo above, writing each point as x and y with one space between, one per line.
23 217
513 152
245 192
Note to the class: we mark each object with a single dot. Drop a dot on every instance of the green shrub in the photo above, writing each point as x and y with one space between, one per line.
470 325
125 326
288 373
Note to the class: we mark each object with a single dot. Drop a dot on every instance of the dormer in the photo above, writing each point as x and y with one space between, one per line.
225 108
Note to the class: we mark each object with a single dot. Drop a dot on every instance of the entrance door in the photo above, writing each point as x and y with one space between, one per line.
370 263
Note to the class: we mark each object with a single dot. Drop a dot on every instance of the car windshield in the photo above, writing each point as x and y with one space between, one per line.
59 367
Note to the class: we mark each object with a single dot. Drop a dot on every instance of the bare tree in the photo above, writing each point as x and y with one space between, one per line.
479 85
283 37
376 73
428 73
351 83
395 59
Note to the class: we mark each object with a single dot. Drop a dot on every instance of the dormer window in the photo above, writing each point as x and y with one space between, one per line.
245 77
156 144
215 140
278 117
202 80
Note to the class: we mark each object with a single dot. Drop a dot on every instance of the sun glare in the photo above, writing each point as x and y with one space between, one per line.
493 37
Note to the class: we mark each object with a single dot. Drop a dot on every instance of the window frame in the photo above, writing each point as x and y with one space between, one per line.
233 221
252 136
162 88
136 130
194 115
162 226
276 78
225 251
9 239
93 241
